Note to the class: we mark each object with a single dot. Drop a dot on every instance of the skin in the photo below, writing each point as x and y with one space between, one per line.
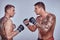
9 25
43 33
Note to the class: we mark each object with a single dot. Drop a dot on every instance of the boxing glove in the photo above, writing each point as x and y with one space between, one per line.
20 28
32 20
26 22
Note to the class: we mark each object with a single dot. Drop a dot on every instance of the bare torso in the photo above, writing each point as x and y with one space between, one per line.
3 34
45 35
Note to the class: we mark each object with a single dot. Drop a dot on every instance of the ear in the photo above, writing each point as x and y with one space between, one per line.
8 10
42 9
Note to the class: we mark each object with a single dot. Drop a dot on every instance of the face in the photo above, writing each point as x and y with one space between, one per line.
37 10
11 11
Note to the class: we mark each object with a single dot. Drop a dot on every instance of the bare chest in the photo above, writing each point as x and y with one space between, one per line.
42 20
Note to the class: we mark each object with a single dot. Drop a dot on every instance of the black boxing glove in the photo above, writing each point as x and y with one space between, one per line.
32 20
20 28
25 22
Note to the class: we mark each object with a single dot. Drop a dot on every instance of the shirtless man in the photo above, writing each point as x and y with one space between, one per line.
45 22
7 26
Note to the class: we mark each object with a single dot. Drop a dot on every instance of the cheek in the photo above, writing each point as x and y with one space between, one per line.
37 11
12 12
8 11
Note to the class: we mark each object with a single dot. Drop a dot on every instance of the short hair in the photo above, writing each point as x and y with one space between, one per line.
8 6
40 4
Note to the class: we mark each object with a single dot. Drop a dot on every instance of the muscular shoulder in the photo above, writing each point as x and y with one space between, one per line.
51 15
8 22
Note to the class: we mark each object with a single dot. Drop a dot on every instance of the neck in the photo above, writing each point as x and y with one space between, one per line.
43 13
7 15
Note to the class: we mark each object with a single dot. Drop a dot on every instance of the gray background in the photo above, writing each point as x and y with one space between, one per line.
25 9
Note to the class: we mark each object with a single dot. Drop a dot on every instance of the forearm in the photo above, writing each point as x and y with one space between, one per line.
12 34
32 27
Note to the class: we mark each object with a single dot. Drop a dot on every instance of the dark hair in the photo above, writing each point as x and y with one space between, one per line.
8 7
40 4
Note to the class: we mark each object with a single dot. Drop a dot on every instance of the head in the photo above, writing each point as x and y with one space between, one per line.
39 6
10 10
